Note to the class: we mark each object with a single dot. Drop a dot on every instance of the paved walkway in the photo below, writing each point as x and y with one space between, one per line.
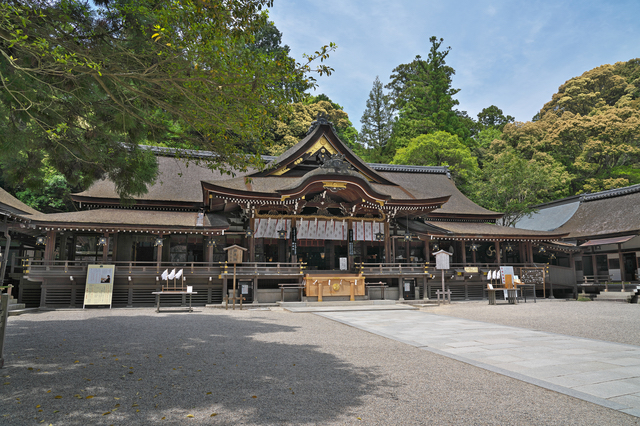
600 372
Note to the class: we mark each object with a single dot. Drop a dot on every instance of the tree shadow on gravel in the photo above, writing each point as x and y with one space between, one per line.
143 369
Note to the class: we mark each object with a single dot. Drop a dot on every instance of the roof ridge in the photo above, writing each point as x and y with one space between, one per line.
610 193
176 152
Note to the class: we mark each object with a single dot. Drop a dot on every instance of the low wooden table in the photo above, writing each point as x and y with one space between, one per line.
381 285
300 288
160 293
512 295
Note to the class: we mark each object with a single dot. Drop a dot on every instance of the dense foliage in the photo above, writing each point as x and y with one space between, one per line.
586 139
82 86
293 127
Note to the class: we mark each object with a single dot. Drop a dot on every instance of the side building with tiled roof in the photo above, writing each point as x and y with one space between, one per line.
605 226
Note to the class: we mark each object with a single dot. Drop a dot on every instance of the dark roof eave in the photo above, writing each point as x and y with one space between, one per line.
145 203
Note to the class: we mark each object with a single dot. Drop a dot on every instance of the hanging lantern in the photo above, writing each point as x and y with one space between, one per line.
282 234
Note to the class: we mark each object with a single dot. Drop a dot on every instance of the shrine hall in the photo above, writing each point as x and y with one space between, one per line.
317 219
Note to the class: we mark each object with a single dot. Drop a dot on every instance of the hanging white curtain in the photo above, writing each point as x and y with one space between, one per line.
368 234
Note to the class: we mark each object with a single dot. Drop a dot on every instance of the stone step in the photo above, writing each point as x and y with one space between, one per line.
338 303
16 306
616 296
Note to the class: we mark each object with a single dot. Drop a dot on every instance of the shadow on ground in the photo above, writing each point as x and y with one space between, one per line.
145 368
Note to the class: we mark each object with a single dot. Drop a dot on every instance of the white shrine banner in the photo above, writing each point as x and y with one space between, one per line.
359 231
376 229
368 235
269 227
336 230
321 231
313 229
261 228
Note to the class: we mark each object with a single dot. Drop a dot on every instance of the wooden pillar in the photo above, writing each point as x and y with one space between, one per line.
3 268
621 260
225 290
105 248
407 251
331 253
473 254
498 257
49 251
464 252
255 290
530 245
159 255
388 251
209 252
251 243
114 247
427 255
350 265
572 264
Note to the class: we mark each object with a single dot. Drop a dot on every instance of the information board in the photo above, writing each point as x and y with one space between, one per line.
507 271
532 276
99 286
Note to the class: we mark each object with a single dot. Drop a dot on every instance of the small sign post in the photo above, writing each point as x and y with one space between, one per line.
234 255
442 263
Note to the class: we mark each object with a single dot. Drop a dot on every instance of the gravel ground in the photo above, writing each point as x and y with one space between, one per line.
136 367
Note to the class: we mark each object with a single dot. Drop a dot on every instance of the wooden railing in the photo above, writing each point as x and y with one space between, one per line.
54 268
455 269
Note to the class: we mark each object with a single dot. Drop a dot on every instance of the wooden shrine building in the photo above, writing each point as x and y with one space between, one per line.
316 210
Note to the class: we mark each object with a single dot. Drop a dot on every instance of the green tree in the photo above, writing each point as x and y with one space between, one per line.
423 96
440 149
493 117
591 127
290 129
511 184
83 86
53 196
377 123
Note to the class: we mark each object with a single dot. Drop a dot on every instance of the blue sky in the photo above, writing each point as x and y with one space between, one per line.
512 54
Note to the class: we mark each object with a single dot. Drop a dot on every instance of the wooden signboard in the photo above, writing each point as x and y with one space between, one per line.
99 286
532 276
234 253
442 259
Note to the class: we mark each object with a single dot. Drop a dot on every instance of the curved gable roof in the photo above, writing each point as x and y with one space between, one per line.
321 135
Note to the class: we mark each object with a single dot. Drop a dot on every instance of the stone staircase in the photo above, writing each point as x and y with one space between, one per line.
630 295
15 308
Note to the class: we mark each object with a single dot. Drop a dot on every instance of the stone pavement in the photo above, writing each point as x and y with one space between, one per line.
600 372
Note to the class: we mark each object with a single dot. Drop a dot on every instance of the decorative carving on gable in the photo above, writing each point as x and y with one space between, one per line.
337 163
321 119
322 199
